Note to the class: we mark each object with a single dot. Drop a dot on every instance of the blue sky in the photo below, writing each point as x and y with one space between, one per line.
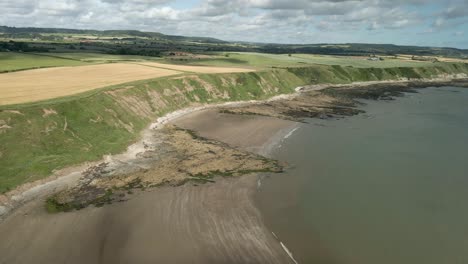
408 22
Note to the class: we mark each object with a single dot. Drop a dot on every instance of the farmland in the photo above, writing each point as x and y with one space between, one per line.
263 60
21 61
44 84
11 61
196 69
359 62
100 57
91 71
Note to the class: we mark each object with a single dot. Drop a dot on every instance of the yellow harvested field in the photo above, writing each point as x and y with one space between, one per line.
42 84
196 69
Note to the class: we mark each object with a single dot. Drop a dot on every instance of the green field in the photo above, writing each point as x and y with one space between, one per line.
264 60
359 62
99 57
12 61
256 60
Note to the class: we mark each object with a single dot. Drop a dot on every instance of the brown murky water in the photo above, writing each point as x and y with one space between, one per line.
388 186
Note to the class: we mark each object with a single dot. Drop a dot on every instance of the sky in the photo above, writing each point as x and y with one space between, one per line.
403 22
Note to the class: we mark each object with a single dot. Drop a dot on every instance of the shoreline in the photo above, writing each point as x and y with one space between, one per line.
69 176
215 222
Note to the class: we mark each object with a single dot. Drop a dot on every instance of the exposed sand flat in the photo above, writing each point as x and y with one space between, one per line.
211 223
196 69
252 133
42 84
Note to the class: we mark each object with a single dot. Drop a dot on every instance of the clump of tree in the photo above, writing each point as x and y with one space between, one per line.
142 52
421 58
20 47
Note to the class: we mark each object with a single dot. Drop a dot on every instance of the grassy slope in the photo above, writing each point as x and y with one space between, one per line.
10 61
106 122
347 74
88 126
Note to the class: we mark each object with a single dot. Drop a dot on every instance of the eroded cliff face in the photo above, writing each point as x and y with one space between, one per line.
175 156
38 139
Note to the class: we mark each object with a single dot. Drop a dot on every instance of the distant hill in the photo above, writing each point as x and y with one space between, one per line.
105 33
360 49
151 43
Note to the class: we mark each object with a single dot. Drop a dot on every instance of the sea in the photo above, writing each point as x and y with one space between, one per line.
384 187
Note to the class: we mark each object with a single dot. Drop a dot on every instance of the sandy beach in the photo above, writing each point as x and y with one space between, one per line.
209 223
252 133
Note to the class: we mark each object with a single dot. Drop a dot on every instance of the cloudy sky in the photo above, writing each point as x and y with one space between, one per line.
413 22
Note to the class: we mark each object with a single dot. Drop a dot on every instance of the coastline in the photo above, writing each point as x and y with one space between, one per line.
69 176
209 223
272 131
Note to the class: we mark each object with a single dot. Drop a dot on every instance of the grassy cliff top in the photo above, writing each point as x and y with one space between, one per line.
37 139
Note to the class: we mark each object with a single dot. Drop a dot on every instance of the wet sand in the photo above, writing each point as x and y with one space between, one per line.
209 223
212 223
252 133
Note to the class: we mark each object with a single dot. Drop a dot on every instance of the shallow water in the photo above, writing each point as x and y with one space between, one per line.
389 186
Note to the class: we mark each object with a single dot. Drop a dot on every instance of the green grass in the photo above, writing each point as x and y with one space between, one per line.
21 61
256 60
358 62
98 57
338 74
68 137
12 61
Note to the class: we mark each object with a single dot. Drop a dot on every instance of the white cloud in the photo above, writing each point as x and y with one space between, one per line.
253 20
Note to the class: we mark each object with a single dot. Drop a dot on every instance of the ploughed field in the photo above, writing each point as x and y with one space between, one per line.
44 84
